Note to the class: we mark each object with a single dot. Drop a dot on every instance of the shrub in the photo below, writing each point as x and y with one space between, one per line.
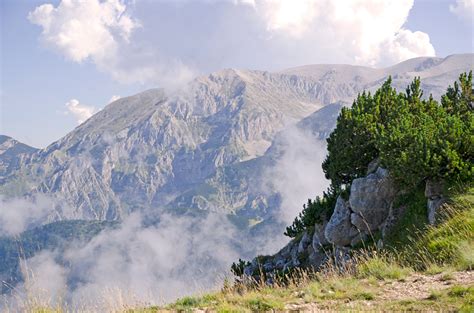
416 139
314 212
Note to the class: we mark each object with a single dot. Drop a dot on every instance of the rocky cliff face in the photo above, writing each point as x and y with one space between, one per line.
12 156
370 210
205 147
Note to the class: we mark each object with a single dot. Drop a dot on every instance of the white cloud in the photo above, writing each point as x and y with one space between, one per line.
464 9
407 44
80 111
114 98
84 29
361 27
297 174
291 16
138 264
168 42
45 279
99 31
17 215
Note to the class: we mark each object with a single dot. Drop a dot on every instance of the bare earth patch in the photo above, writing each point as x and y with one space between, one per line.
416 287
419 286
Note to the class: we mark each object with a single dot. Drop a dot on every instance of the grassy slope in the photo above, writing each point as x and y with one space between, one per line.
436 256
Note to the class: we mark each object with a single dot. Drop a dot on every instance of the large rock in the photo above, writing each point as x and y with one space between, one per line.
304 242
394 216
435 198
339 230
433 206
319 239
370 200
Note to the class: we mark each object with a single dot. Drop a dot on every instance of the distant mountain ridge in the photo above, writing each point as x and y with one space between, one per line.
204 147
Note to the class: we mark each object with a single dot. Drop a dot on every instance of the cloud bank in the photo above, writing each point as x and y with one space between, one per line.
168 42
136 264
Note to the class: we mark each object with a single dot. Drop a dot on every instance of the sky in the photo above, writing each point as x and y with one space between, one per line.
62 61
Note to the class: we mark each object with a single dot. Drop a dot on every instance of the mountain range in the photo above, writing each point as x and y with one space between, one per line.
193 179
203 147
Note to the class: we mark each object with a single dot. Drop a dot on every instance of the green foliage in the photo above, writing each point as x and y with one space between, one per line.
416 139
424 140
352 144
238 268
413 220
316 211
260 304
449 244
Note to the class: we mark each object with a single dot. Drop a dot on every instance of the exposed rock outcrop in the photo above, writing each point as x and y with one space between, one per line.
339 230
370 208
435 198
370 200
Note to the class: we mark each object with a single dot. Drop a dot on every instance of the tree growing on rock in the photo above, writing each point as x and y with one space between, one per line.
416 139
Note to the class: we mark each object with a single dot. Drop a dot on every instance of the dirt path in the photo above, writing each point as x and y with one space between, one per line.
416 287
419 286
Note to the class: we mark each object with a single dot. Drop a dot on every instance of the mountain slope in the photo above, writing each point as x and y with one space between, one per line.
202 147
11 154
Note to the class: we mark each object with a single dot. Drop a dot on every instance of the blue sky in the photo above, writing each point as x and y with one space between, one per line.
63 61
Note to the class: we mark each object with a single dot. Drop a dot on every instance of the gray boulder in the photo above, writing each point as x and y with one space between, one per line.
433 208
319 239
434 194
394 216
370 200
304 242
339 230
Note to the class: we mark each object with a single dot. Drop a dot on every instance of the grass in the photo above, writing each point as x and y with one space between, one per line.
450 243
382 268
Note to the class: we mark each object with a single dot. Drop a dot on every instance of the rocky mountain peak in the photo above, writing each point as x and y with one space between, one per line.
201 146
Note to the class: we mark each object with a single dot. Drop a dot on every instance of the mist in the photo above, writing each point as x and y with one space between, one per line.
138 263
20 214
297 174
154 256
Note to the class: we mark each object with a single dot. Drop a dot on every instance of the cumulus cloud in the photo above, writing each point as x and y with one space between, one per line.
362 27
169 42
290 16
84 29
80 111
464 9
100 31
